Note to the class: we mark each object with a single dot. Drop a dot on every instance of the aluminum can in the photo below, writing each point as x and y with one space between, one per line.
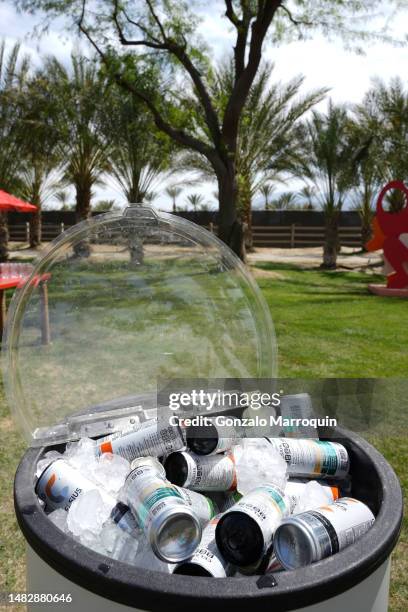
310 536
60 485
313 458
171 526
124 519
225 501
202 472
203 507
245 532
295 489
298 406
210 439
152 439
207 559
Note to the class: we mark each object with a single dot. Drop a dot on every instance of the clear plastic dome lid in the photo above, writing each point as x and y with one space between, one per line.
116 304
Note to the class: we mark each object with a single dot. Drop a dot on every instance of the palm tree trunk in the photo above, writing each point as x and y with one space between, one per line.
35 229
83 212
4 236
331 245
245 213
230 227
366 232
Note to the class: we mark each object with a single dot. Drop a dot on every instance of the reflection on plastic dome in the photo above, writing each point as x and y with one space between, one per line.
156 299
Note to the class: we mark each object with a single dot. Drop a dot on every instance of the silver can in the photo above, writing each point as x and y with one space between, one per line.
310 536
245 532
170 524
202 472
151 439
207 559
297 406
313 458
203 507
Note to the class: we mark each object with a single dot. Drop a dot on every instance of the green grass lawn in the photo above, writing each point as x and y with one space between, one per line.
327 325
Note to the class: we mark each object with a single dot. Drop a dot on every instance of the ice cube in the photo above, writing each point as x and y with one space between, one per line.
82 455
59 518
88 514
111 471
314 496
45 461
257 463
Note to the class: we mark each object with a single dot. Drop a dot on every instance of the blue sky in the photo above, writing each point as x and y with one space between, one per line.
323 63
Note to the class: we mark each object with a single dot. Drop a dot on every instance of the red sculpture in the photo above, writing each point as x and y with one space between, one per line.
390 232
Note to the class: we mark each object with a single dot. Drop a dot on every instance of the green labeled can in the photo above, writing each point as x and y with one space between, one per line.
168 520
313 458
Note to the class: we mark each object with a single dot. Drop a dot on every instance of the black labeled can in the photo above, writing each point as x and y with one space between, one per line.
245 532
203 473
210 439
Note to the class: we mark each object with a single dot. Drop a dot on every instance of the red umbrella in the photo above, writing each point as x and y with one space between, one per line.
9 203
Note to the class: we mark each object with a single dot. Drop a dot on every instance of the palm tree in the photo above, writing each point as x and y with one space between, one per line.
150 196
307 193
139 155
327 140
39 149
286 201
382 124
103 206
266 191
173 191
268 146
13 73
78 95
196 200
62 197
367 170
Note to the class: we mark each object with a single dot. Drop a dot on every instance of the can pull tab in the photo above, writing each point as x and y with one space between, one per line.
141 214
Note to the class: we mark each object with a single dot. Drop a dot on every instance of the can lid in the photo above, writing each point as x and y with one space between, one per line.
148 462
294 545
175 537
118 303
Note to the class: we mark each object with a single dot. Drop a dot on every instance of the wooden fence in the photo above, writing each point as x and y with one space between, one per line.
291 236
284 236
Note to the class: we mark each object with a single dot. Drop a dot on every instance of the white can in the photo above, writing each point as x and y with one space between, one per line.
60 485
310 536
202 472
245 532
207 559
313 458
152 439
